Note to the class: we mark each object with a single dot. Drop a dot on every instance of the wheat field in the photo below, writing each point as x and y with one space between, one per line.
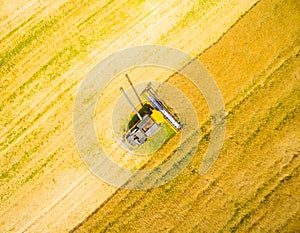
251 49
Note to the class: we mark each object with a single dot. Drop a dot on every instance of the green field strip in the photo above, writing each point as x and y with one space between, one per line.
37 170
91 19
10 34
42 73
21 158
26 155
29 37
17 184
62 57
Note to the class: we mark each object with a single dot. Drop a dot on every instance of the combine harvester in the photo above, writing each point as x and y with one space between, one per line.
145 126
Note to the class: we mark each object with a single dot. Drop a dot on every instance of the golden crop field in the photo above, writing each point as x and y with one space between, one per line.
250 48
